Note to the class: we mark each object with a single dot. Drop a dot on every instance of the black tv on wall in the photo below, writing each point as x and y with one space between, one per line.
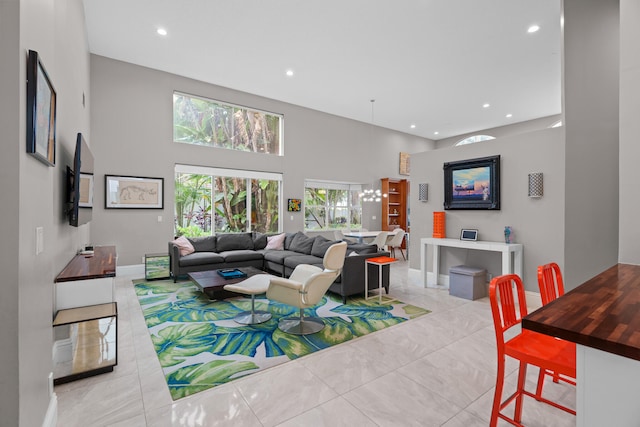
80 184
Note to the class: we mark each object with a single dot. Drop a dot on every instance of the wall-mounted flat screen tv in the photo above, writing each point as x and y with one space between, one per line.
80 184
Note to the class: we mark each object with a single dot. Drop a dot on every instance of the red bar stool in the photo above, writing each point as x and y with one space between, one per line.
551 287
528 347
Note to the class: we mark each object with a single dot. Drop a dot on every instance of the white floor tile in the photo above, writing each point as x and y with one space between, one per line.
436 370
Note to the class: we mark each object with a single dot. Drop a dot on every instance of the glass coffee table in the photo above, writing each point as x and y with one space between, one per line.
212 283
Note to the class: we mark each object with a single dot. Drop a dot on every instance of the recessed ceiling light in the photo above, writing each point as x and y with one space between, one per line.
487 105
533 29
161 31
508 116
289 73
436 133
413 126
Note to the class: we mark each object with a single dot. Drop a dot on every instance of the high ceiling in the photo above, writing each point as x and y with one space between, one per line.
428 63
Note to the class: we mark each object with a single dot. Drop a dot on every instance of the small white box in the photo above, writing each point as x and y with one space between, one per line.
467 282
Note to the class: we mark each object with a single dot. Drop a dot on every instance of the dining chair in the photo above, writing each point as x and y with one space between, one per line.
381 239
527 347
395 241
339 235
551 287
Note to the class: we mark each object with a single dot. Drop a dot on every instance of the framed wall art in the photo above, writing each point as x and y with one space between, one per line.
133 192
41 112
405 165
294 205
472 184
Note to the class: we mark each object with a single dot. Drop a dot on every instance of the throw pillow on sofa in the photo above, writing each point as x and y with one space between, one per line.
276 242
234 242
259 240
203 244
301 243
184 245
320 246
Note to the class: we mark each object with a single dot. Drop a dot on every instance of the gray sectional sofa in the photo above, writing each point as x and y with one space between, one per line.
233 250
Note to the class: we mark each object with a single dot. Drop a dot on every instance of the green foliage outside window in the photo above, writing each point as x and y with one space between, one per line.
331 209
206 204
207 122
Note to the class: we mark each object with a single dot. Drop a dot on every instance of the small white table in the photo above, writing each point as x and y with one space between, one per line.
380 262
361 235
510 251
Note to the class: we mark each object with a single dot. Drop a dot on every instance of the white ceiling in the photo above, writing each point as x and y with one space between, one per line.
432 63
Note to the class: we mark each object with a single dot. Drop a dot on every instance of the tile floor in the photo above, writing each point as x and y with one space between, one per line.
437 370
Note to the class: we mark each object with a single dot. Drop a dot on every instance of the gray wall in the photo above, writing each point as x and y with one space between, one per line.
591 100
537 223
10 97
503 131
132 135
629 131
33 196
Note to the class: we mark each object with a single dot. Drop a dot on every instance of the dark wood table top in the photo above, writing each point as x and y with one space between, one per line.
212 280
602 313
82 267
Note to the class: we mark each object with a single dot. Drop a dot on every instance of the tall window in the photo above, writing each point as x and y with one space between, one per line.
474 139
330 205
203 121
212 200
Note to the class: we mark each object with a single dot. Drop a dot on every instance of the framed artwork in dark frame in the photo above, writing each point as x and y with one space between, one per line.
472 184
41 111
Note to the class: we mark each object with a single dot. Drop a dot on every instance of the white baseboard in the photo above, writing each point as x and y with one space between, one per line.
415 278
136 271
62 351
51 417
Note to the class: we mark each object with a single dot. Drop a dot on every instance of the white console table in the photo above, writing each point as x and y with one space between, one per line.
510 251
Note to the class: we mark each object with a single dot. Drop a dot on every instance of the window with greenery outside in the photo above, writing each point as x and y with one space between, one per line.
203 121
328 208
207 204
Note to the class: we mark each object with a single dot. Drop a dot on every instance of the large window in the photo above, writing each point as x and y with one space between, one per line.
329 205
212 200
203 121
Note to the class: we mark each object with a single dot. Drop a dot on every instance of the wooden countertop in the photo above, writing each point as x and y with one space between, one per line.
82 267
602 313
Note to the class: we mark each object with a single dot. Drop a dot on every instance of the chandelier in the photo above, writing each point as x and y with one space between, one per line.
371 195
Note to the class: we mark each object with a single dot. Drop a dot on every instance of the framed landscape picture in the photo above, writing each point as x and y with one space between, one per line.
472 184
133 192
41 112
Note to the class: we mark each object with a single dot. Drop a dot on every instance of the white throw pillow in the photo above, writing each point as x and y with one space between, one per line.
184 245
276 242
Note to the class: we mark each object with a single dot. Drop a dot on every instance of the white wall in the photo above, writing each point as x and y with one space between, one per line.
537 223
629 131
33 196
132 135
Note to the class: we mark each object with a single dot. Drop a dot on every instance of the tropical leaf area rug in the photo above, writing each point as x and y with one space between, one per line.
200 346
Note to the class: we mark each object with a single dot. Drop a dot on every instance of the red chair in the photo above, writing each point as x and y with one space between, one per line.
528 347
551 287
550 282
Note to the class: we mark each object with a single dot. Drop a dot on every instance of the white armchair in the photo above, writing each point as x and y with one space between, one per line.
305 288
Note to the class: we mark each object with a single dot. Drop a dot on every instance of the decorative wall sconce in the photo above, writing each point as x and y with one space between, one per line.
536 185
423 192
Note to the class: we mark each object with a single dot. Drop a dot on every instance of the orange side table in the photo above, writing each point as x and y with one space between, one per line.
380 261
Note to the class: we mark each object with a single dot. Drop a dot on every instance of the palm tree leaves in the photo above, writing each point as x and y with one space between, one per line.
200 346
